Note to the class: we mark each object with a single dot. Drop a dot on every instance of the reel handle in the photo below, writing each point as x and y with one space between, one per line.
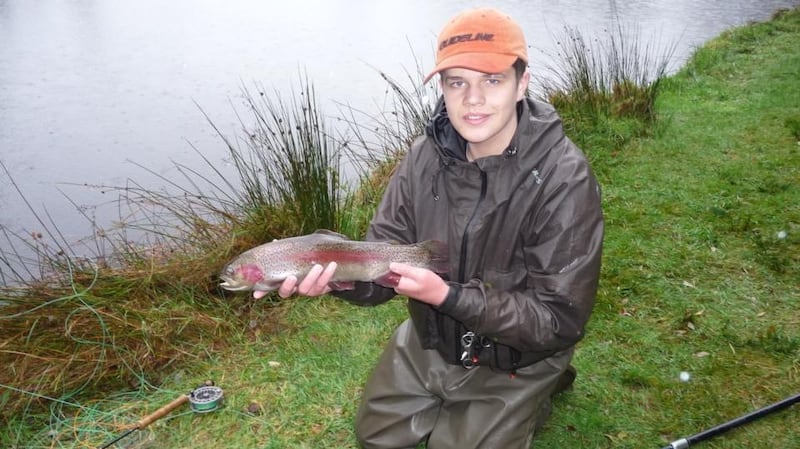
162 412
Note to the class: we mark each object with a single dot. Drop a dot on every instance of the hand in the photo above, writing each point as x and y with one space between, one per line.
420 283
315 283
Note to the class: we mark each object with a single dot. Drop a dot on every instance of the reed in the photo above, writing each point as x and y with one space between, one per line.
378 140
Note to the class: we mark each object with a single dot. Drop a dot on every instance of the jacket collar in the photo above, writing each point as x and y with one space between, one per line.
451 145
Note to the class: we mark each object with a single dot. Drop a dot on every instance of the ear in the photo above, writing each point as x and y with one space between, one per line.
522 85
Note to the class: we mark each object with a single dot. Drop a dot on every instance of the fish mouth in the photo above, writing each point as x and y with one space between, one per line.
233 285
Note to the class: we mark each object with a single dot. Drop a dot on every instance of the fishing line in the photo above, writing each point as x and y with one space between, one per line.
103 343
203 399
60 401
75 292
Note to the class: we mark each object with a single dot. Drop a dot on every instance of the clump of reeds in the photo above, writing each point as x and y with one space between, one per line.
593 81
291 165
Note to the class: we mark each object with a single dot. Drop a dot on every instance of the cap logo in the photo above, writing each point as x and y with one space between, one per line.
487 37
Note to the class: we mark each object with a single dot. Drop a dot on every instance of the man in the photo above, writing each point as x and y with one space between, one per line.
495 177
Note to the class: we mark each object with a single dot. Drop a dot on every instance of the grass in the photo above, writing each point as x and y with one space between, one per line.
700 275
695 274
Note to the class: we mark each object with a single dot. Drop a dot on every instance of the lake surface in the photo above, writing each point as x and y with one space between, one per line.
91 90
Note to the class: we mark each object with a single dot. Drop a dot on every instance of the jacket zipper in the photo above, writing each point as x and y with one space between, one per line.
463 257
465 237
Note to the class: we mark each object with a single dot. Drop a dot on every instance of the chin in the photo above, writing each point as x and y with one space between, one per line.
473 134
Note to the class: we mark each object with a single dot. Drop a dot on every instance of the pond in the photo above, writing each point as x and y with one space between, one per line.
91 91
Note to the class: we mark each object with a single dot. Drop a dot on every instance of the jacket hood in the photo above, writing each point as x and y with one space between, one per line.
449 142
532 140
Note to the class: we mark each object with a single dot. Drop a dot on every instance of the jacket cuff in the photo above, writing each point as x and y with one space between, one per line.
452 298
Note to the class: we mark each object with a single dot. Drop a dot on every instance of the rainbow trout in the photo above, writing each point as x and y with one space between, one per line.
266 266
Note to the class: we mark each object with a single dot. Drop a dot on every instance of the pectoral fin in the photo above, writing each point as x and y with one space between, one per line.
267 286
342 285
389 279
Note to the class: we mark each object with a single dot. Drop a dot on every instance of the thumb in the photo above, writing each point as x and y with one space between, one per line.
400 268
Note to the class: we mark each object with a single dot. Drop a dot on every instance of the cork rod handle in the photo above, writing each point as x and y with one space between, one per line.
162 412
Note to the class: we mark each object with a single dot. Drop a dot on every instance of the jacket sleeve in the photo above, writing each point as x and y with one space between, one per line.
393 222
562 267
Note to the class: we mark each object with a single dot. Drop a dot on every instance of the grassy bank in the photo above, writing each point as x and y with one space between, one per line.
702 259
701 268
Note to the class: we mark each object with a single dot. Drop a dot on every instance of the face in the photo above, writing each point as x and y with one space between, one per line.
482 106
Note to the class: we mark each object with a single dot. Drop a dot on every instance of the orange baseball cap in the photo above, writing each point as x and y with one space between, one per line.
482 39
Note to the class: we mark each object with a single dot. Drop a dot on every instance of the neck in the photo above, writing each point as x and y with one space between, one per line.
495 144
486 149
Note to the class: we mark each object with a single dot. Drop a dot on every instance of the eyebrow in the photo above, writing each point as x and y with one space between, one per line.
484 76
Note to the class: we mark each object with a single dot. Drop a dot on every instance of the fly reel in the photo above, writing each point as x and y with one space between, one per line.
205 399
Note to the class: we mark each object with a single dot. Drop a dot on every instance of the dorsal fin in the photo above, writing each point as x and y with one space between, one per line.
329 233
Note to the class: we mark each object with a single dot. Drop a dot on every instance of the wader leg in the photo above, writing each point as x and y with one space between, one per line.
494 410
397 411
413 394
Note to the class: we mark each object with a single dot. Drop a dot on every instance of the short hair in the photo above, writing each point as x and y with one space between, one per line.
520 66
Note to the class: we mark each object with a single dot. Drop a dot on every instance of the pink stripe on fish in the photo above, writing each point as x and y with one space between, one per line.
339 256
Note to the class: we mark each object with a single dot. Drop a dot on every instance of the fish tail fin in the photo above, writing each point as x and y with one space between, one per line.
439 256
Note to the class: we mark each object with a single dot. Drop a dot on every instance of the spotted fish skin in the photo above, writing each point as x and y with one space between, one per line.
266 266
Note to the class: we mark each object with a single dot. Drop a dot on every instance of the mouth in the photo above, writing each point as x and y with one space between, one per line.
232 285
475 118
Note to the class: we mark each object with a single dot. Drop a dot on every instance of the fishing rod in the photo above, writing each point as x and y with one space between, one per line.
203 399
683 443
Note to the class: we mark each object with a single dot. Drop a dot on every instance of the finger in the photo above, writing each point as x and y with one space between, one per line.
326 276
308 282
258 294
288 287
321 283
407 271
400 268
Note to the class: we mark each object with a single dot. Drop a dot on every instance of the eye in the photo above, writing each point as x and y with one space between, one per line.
493 81
456 83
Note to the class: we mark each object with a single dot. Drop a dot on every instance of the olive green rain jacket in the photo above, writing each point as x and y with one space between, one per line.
524 231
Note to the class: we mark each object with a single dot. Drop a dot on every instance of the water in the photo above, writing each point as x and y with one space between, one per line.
92 89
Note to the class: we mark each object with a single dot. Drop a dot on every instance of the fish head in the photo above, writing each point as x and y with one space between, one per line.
238 277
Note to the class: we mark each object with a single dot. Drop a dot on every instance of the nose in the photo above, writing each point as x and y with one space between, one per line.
474 95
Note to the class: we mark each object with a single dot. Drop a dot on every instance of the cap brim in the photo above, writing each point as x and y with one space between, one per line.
480 62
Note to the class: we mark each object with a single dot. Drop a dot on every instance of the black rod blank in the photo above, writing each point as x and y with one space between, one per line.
742 420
